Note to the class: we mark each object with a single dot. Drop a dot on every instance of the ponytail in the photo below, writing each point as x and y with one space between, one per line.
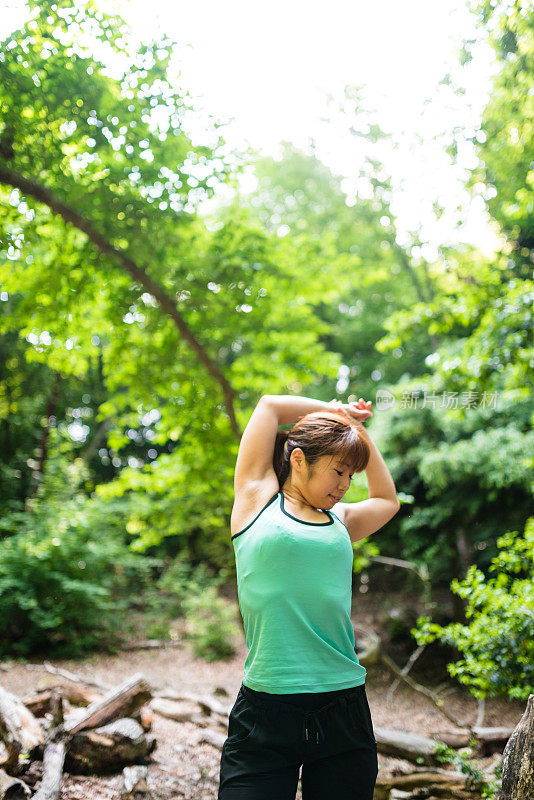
282 452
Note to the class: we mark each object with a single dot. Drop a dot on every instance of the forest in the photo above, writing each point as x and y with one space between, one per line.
137 335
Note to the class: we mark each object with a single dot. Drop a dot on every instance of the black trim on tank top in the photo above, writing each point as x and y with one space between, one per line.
341 521
268 503
303 521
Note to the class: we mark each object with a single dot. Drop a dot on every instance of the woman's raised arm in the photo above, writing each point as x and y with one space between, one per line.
289 407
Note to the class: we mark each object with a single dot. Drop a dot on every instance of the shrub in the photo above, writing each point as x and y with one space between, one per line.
66 576
497 643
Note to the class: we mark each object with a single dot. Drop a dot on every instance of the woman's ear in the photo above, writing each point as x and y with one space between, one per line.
297 459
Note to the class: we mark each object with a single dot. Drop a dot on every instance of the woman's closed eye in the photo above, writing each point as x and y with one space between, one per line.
340 473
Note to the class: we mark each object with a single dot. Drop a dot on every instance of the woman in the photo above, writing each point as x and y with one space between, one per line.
302 701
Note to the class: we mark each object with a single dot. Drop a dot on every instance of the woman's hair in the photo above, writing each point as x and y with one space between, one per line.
321 433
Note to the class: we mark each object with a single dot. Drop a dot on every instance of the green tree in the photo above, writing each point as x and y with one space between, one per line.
506 148
482 311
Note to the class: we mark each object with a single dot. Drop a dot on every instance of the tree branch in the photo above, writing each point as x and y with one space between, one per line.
405 264
44 195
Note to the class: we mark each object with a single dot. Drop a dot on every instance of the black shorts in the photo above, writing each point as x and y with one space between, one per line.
270 736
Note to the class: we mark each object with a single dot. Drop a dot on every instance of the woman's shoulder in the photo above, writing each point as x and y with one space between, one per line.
338 510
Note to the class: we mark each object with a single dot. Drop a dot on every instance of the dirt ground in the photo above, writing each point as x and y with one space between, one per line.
183 767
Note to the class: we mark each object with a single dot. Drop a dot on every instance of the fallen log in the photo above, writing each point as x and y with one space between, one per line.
71 676
410 746
121 701
39 703
75 694
20 731
53 760
110 746
518 759
152 644
433 784
180 711
454 739
54 754
488 740
491 740
209 704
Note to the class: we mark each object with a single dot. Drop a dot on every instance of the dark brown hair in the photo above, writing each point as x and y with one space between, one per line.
321 433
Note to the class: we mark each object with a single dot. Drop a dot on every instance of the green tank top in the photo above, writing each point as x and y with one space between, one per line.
294 585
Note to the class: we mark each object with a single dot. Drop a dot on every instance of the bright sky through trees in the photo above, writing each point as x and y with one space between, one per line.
269 68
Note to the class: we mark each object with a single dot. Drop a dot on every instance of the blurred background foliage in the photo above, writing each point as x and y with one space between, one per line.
136 336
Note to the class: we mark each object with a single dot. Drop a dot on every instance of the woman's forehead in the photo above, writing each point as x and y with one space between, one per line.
338 460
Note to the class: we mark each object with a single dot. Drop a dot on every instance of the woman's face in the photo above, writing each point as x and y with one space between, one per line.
327 483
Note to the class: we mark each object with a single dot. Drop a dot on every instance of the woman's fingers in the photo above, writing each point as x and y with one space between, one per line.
359 410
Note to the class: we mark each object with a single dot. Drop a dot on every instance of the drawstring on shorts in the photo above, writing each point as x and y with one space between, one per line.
309 721
313 719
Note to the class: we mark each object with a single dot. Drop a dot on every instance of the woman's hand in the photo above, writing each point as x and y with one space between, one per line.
359 411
